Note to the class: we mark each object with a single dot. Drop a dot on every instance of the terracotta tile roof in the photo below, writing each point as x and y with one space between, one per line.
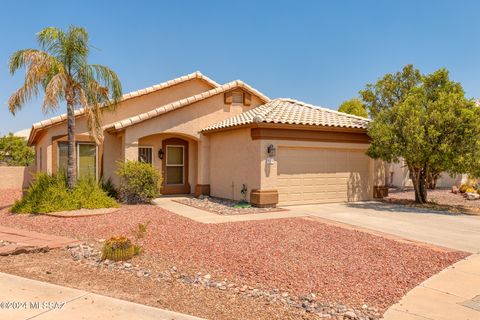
58 119
184 102
290 111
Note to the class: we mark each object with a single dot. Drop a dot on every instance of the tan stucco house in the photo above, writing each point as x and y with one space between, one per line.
214 139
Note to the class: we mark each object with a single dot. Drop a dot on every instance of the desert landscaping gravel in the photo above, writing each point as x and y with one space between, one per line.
297 256
441 199
222 206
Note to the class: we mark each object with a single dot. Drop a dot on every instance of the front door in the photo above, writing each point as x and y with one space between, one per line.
175 166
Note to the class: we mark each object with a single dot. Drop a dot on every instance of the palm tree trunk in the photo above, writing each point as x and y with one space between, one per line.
71 163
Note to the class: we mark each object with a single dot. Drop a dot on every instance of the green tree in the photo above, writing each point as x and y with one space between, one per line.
434 128
14 151
354 106
60 68
390 90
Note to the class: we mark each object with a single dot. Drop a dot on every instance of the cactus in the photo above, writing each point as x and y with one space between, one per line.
118 249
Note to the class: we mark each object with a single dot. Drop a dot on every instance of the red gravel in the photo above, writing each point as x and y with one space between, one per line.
8 197
297 255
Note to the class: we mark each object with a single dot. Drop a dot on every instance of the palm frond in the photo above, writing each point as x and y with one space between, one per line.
39 67
51 39
54 91
93 114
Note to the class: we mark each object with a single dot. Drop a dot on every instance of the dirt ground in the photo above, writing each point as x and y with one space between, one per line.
439 199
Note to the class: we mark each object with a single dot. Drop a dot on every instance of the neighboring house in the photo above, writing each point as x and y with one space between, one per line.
399 177
216 139
25 133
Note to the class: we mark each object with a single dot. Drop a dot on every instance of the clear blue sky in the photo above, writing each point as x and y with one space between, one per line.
321 52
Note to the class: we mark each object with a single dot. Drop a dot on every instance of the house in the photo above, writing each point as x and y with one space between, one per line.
399 177
218 140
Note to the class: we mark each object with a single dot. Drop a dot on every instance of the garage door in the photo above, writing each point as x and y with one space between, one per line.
314 175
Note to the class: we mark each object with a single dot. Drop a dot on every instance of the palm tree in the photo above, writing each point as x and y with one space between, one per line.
60 68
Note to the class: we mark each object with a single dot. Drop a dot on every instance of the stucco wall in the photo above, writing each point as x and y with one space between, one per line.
155 141
186 123
234 161
124 110
16 177
398 176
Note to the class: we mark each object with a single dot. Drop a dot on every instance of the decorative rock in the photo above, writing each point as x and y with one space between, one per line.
454 189
90 256
350 315
473 196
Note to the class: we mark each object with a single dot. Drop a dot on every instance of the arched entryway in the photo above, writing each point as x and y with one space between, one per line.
175 156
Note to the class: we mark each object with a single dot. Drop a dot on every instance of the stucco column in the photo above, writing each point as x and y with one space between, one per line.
130 146
203 166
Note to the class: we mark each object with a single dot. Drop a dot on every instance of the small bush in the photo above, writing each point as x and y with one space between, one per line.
110 189
119 249
463 188
49 193
140 182
470 190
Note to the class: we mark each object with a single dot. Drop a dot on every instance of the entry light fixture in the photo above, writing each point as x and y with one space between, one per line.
271 151
160 153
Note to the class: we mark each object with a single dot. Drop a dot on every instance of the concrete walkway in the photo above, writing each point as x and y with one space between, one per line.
169 203
452 294
30 239
460 232
31 296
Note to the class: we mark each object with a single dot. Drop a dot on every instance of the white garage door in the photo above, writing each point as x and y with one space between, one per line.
315 175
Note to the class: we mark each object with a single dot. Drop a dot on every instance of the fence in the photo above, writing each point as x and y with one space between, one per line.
15 177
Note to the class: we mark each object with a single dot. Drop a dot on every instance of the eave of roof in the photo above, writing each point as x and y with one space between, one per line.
63 117
120 125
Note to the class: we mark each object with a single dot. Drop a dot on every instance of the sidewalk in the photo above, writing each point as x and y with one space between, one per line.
77 304
452 294
23 239
203 216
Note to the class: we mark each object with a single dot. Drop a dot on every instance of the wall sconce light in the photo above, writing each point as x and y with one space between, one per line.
271 151
160 153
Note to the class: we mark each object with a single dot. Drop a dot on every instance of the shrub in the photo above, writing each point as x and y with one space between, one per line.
119 249
463 188
140 182
49 193
470 190
110 189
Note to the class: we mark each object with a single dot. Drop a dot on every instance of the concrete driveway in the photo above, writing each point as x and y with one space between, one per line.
461 232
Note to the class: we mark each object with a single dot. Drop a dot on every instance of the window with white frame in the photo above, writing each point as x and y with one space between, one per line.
86 159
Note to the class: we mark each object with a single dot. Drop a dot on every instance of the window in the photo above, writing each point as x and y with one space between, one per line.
86 159
175 165
40 158
62 157
145 154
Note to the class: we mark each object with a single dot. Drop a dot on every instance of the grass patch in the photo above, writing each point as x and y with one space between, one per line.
49 193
